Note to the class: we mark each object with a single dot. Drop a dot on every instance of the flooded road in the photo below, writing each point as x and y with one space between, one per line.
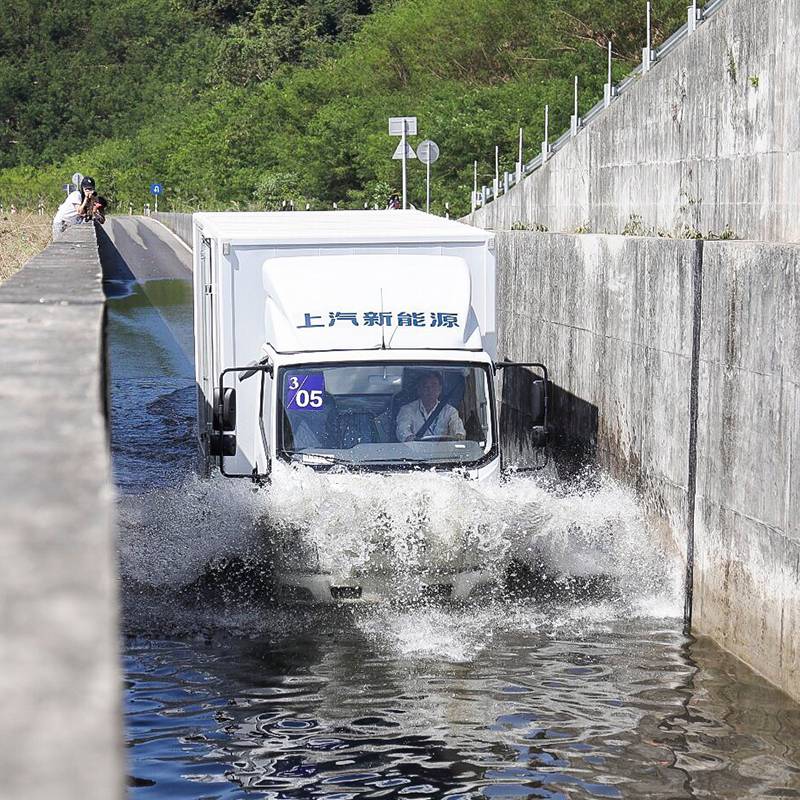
569 694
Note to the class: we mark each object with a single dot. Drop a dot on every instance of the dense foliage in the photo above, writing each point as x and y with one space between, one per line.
247 104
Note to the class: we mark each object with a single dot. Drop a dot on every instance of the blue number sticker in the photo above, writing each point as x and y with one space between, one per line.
305 392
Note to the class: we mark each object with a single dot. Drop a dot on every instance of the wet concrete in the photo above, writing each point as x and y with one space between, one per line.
687 354
59 663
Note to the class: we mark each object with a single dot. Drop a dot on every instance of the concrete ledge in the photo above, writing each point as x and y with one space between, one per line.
59 663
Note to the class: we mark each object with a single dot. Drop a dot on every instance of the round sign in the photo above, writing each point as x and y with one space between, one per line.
428 152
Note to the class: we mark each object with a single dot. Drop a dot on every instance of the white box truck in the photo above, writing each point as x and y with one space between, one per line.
362 340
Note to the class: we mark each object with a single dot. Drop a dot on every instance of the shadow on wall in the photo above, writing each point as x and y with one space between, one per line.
572 424
115 268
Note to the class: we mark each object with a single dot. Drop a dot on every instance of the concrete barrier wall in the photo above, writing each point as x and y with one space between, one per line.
179 224
709 138
59 662
689 355
747 514
612 318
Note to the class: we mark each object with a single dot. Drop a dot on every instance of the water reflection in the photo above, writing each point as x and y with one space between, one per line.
321 705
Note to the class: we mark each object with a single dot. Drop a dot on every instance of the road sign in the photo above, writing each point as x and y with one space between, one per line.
398 153
428 152
77 178
69 187
396 126
156 189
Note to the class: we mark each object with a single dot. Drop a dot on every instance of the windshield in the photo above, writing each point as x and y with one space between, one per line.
385 413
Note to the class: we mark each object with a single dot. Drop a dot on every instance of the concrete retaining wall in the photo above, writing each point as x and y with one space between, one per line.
612 318
179 224
747 514
59 662
678 363
708 138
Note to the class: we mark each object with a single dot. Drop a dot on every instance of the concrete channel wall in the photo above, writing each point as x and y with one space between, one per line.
708 138
179 224
60 680
675 364
678 364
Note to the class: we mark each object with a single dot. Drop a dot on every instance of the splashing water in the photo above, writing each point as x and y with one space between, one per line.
349 523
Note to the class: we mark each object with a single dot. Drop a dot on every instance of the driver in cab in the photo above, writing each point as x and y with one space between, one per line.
425 418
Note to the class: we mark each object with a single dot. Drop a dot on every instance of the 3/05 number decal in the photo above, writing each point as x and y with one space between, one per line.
304 391
306 399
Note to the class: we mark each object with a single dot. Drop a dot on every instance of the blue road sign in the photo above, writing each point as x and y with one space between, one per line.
156 189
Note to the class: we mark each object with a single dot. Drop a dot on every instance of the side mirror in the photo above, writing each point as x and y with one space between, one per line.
537 398
223 441
225 410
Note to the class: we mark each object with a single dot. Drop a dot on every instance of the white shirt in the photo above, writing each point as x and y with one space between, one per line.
411 417
68 210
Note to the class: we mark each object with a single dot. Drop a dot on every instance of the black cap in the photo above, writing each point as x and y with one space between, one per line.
87 182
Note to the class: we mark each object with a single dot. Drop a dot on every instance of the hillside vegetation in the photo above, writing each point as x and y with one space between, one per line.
245 104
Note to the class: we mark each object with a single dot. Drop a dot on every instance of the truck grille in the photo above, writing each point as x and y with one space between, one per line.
345 592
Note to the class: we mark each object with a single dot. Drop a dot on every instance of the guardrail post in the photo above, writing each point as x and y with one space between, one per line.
609 91
694 16
474 193
575 120
647 52
483 194
545 142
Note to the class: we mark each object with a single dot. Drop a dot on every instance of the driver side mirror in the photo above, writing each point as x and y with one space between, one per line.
539 413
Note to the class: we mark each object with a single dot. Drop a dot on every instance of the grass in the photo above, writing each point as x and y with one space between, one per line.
22 236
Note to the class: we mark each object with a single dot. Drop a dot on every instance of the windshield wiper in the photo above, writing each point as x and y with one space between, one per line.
326 457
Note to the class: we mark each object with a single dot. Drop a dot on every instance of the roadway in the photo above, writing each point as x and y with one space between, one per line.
141 249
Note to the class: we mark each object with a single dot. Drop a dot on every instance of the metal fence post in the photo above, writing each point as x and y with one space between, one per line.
647 52
474 185
575 120
496 182
609 91
519 158
545 142
694 15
